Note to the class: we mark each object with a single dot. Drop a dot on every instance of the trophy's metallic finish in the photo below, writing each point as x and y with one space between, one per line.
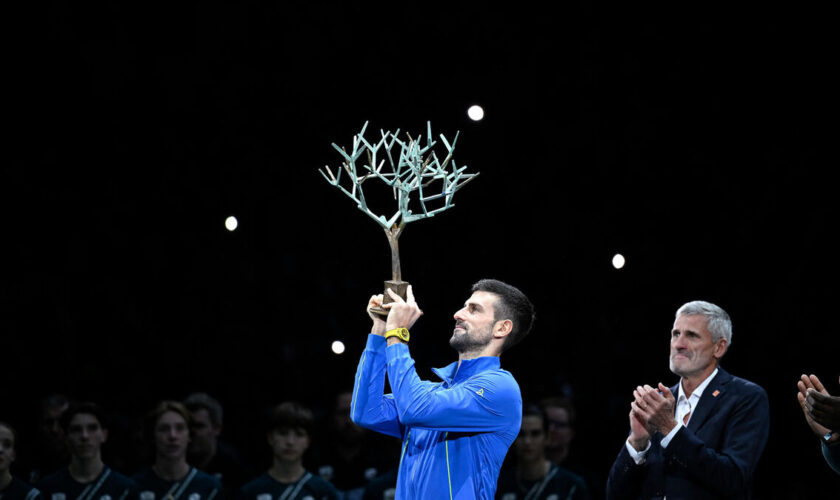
417 169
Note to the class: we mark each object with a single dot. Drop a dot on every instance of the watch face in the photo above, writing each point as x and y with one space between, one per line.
402 333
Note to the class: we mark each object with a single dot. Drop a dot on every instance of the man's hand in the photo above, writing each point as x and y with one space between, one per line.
822 411
378 327
402 313
639 435
655 408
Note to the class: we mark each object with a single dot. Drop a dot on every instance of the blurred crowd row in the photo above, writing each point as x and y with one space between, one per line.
307 454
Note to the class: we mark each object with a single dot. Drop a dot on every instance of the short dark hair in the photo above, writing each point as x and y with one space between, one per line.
291 415
12 430
52 402
201 400
83 407
512 305
165 406
535 410
560 402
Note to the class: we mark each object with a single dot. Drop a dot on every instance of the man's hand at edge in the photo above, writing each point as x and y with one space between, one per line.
378 327
401 313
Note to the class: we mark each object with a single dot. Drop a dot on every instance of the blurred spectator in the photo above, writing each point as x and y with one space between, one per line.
170 477
383 486
49 452
531 475
206 451
288 434
351 457
12 488
561 428
822 413
87 476
127 450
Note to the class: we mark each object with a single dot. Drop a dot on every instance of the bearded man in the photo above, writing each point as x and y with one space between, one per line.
455 434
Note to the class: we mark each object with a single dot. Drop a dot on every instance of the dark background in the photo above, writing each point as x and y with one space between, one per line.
690 139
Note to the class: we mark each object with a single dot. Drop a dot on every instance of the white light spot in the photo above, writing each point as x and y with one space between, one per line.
618 261
338 347
231 223
476 112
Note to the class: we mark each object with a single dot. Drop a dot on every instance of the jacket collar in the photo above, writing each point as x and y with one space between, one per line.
452 373
711 395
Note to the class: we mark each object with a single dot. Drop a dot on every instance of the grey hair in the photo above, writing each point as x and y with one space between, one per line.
202 400
719 324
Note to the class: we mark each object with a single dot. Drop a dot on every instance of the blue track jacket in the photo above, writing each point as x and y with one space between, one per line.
455 433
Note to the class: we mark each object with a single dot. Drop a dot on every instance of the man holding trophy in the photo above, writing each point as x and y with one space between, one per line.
456 432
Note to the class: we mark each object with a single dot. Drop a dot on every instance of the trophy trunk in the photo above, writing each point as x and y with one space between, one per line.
396 283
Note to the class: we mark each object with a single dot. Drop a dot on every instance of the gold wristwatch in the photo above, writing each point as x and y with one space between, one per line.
401 333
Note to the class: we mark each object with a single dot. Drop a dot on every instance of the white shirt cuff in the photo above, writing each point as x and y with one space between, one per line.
667 439
637 456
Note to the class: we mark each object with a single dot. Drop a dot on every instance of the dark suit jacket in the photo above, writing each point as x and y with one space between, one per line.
714 457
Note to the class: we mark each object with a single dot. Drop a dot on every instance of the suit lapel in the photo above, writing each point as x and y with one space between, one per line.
713 393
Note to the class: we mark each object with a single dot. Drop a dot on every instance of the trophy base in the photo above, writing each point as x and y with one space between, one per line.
399 287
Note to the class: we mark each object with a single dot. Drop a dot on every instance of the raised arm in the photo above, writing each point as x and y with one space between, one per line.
490 401
370 407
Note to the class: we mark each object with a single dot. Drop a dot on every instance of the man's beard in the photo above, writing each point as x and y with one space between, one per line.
682 371
467 342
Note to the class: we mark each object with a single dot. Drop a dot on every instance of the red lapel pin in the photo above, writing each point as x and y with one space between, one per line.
715 394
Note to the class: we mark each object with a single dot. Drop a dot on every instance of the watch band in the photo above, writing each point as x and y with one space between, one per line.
401 333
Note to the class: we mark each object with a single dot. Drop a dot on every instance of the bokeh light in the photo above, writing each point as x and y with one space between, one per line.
618 261
231 223
476 113
338 347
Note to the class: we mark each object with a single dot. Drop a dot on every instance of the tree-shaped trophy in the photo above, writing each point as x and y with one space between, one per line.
416 169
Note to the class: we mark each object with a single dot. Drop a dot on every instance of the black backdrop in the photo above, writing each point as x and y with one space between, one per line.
690 139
